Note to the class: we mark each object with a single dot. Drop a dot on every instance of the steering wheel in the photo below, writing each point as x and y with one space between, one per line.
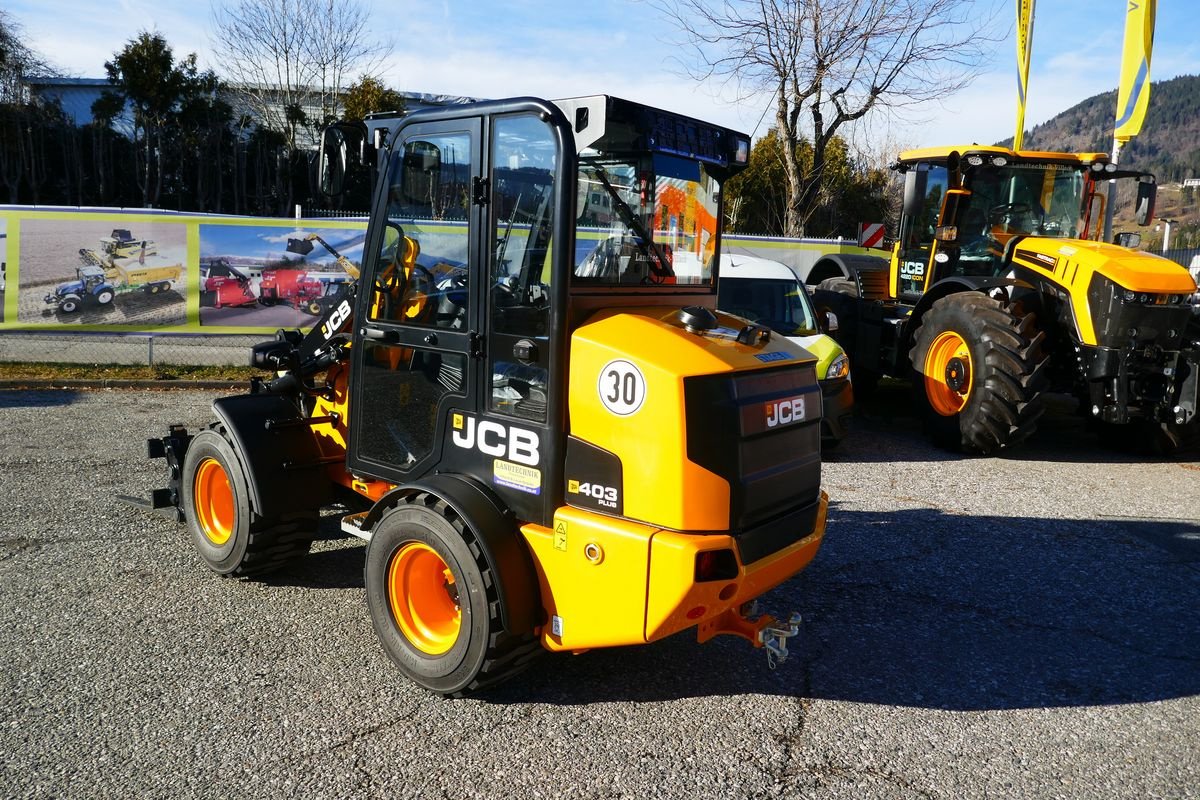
1003 213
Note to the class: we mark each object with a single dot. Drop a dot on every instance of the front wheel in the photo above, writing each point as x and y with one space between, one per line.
228 534
977 373
433 600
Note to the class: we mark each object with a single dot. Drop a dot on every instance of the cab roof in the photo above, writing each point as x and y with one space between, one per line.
943 152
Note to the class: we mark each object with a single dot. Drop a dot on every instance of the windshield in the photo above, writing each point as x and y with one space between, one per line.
644 220
1039 199
781 305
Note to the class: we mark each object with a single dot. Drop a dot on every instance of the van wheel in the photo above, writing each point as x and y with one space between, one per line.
433 601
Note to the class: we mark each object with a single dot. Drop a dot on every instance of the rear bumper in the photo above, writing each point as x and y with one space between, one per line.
606 581
677 601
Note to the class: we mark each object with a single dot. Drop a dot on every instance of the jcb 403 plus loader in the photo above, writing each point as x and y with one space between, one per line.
999 290
545 431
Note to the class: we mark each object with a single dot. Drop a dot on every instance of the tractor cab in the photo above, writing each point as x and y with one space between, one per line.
963 211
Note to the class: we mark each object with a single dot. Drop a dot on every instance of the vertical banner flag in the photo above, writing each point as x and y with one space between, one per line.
1024 52
1133 95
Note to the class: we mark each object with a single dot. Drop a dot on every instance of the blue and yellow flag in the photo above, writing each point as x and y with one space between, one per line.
1024 53
1133 95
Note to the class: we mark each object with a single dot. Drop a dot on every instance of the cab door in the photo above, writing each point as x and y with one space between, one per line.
417 342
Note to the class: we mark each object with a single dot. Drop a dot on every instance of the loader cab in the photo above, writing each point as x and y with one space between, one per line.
497 227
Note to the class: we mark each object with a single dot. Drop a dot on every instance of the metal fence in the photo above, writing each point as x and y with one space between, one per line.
148 349
163 349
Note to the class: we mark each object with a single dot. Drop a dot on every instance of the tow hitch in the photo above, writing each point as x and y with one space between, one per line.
774 640
761 630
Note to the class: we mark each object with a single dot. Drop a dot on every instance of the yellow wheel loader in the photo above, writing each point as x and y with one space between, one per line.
998 290
526 401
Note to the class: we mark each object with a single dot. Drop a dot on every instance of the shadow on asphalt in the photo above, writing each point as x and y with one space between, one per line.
23 398
886 428
931 610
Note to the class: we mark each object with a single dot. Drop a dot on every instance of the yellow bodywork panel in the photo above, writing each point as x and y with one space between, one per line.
660 484
607 582
1072 263
592 570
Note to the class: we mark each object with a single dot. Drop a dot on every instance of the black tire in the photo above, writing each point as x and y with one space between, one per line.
228 534
105 296
469 654
840 285
70 303
1000 374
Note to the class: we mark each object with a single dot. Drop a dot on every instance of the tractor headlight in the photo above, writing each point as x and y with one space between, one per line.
838 368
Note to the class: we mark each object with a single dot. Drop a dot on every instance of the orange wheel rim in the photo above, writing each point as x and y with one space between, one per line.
423 597
214 501
948 374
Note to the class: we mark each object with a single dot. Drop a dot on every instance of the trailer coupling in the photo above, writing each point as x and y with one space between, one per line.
165 501
762 631
774 640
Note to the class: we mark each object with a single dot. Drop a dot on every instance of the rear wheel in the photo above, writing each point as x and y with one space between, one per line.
977 373
104 296
433 600
228 534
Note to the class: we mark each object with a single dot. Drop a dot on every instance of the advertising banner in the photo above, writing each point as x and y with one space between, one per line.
115 272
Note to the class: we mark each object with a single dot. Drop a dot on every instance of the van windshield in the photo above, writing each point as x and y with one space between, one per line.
779 304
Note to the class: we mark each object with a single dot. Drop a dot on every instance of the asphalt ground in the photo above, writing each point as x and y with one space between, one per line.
1022 626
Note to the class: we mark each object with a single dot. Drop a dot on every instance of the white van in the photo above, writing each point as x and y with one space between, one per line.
770 294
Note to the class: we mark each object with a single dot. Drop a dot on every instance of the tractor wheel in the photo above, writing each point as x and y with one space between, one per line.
977 373
229 535
433 601
104 296
70 303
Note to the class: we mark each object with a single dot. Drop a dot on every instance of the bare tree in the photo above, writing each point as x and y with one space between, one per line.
829 63
289 60
17 61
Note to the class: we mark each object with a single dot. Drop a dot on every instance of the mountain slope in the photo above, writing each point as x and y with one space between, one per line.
1168 145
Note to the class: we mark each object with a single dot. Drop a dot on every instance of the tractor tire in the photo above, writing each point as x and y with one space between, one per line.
229 535
105 296
977 373
433 601
70 303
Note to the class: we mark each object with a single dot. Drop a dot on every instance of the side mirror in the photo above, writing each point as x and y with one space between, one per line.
422 171
1147 193
827 320
914 191
331 169
1128 239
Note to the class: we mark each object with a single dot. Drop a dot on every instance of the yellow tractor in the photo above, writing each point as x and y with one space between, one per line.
546 432
999 289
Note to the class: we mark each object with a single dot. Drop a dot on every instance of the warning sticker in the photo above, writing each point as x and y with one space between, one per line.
517 476
560 535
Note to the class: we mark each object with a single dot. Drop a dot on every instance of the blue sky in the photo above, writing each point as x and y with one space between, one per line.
498 48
